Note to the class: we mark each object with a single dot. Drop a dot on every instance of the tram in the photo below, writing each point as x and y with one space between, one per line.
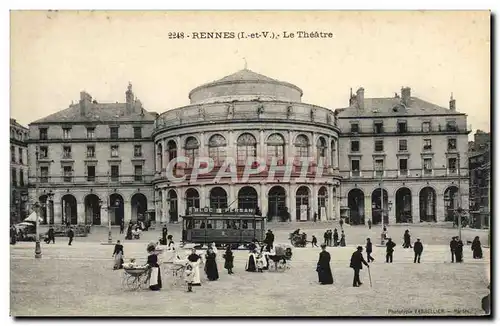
223 226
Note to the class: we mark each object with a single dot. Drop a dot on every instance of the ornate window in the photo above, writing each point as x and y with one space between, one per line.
322 149
217 149
276 148
302 146
192 150
246 147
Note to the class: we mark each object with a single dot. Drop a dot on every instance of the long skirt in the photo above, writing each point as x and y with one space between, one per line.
251 266
196 274
118 264
211 270
155 279
325 275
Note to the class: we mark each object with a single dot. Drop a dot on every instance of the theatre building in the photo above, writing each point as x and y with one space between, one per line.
241 116
93 162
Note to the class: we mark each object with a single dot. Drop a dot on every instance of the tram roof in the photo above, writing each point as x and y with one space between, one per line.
223 217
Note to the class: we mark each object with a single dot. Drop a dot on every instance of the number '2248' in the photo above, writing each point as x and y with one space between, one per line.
176 35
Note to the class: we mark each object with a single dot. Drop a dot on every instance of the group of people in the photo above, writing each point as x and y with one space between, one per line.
328 236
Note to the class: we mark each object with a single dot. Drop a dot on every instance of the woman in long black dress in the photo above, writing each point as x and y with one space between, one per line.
118 254
228 260
129 232
211 265
323 267
155 276
251 263
477 251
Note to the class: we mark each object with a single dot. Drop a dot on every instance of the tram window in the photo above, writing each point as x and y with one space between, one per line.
258 225
235 225
245 225
227 225
189 224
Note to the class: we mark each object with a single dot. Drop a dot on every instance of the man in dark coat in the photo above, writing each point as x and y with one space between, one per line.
315 216
325 238
407 239
122 226
453 248
71 235
357 262
341 224
51 235
389 250
323 267
13 234
370 224
369 250
418 248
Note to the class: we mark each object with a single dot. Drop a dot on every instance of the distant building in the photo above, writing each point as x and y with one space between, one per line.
93 155
18 171
480 171
414 150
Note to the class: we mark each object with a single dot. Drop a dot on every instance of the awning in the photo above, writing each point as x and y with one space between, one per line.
32 218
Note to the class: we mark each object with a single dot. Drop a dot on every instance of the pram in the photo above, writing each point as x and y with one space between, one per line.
282 254
136 278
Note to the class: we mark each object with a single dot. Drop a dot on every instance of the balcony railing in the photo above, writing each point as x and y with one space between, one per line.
406 174
410 130
86 180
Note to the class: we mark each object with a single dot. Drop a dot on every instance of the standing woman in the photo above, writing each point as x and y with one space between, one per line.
252 262
155 275
194 261
477 251
118 254
211 265
129 232
342 239
228 260
407 240
323 267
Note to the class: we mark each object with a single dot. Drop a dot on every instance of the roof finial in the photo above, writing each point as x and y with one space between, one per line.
129 87
246 65
451 96
350 95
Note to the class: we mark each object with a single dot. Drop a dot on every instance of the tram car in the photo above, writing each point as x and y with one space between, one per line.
223 226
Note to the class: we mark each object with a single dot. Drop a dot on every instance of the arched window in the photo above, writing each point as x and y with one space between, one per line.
302 146
247 147
276 148
172 150
321 149
217 149
192 150
218 198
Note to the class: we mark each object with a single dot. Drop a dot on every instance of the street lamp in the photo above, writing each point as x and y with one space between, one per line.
38 248
108 209
50 197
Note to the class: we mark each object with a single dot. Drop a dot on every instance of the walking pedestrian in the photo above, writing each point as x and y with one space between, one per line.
314 242
453 248
122 226
407 239
315 216
71 234
323 267
477 251
118 255
342 239
369 224
369 250
418 248
341 224
325 238
389 250
357 262
51 235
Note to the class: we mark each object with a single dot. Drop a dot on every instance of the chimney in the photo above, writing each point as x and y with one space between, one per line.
352 99
85 103
360 98
452 103
129 97
406 95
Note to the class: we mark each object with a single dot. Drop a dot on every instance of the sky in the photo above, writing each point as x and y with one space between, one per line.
55 55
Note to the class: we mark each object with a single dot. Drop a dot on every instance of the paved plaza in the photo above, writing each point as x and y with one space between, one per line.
78 280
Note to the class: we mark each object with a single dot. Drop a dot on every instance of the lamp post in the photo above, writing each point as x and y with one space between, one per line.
38 248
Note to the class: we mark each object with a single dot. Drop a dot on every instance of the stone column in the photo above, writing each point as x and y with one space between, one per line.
338 201
329 162
57 213
293 208
180 146
127 212
289 146
105 215
331 205
203 147
288 190
314 149
164 156
181 204
231 143
368 208
263 199
261 150
80 213
232 196
415 208
203 199
440 208
314 202
165 205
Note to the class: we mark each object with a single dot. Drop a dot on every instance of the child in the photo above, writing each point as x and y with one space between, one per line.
130 264
189 277
314 241
228 257
260 262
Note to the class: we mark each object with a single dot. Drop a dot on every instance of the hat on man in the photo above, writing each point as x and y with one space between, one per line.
360 248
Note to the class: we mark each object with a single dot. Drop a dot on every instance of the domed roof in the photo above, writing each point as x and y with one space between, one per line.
245 85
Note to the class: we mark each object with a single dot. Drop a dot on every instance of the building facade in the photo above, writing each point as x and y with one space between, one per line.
480 172
18 171
93 162
240 117
409 152
330 163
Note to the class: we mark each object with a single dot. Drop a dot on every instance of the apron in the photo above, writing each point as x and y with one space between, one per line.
154 276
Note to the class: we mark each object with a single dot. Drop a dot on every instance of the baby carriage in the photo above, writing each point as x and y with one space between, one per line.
282 256
135 278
